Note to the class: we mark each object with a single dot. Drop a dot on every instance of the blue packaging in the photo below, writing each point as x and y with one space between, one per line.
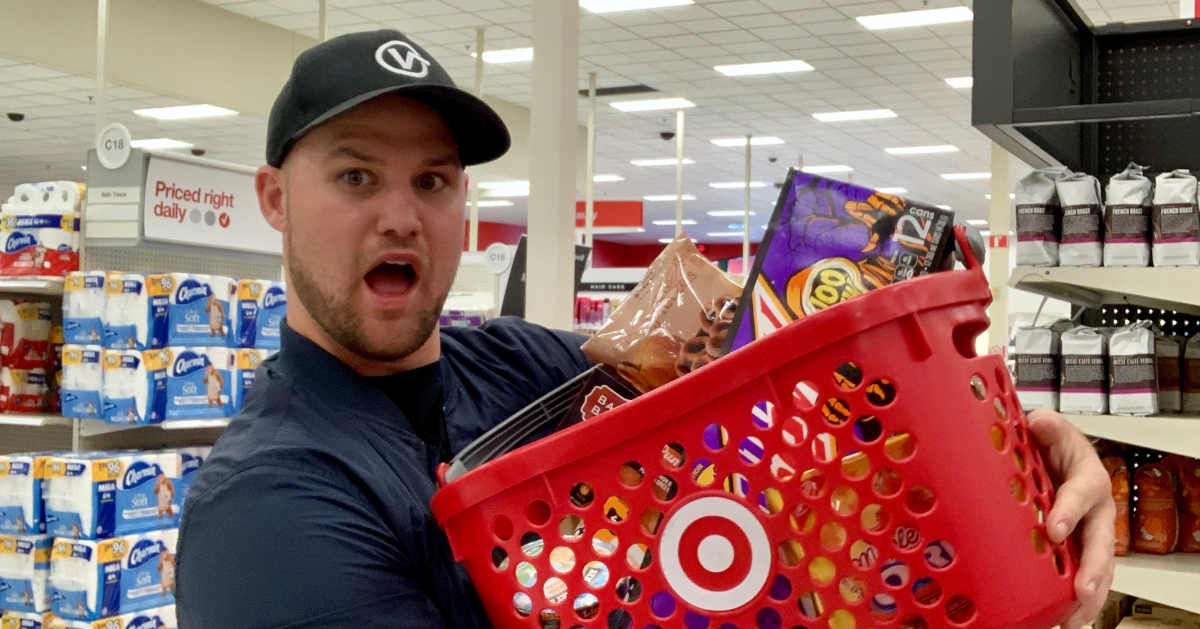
261 309
23 572
21 506
94 579
82 380
157 618
83 307
247 363
101 495
135 386
198 310
135 311
199 383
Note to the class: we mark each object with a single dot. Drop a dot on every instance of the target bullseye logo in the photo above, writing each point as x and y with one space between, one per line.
715 554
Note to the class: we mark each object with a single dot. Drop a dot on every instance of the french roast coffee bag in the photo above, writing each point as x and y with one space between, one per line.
1127 208
1176 220
1081 242
1039 218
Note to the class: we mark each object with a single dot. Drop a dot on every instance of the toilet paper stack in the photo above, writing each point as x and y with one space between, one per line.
39 230
25 356
157 618
94 579
24 569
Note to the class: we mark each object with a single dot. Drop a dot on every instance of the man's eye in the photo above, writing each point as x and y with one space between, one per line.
430 182
354 177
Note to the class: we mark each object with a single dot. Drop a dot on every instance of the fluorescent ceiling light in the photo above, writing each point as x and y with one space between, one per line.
653 104
977 222
989 197
507 192
495 203
944 207
758 140
736 226
846 116
160 143
965 176
724 234
737 185
667 241
961 82
891 190
503 185
729 213
670 161
511 55
613 6
185 112
667 197
906 19
832 168
607 178
766 67
686 221
83 167
922 150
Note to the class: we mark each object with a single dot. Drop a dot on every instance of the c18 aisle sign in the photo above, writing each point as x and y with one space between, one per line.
197 204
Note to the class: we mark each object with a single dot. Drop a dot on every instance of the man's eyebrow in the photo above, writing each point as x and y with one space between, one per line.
345 151
449 158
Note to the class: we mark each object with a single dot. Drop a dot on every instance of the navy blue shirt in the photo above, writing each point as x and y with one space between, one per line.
313 508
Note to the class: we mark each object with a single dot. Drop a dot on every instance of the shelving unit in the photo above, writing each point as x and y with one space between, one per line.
1168 579
1168 288
52 286
1177 434
12 419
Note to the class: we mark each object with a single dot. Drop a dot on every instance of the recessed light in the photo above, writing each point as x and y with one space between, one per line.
961 82
977 222
922 150
653 104
832 168
667 241
495 203
847 116
724 234
613 6
185 112
511 55
892 190
670 161
607 178
965 176
766 67
729 213
686 221
758 140
503 185
943 207
906 19
737 185
667 197
160 143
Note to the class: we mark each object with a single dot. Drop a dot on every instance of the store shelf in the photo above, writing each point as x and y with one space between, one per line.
1167 579
1167 288
1179 434
32 286
192 424
94 427
15 419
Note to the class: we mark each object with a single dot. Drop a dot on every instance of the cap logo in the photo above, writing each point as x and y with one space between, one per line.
400 57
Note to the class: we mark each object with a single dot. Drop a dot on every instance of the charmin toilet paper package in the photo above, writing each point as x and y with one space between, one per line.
28 336
24 567
1039 218
101 495
1176 220
45 245
135 311
1132 377
135 387
90 579
1082 237
83 307
1191 375
1169 352
1127 209
47 197
248 361
260 310
1037 360
25 620
21 494
23 390
190 462
83 380
1083 372
199 382
157 618
198 309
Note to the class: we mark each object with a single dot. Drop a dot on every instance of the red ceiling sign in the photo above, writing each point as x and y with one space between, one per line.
610 214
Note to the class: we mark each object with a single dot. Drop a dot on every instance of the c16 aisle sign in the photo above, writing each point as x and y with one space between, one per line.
193 203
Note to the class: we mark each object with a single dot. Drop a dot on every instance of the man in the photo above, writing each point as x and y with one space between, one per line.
313 509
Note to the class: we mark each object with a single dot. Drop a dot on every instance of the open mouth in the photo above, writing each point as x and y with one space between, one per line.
391 278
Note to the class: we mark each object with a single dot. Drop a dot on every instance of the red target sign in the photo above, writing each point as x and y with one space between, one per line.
715 554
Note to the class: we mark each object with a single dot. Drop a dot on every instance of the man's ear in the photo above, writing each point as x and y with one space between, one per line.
268 184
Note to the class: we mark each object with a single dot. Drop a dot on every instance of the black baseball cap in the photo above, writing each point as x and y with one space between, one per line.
341 73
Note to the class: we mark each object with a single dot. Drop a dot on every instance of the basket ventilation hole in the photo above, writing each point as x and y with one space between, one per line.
822 571
848 376
1039 541
616 509
863 554
664 488
555 590
856 466
499 558
1059 563
804 396
802 518
752 450
1039 514
781 588
1020 430
674 456
502 527
978 387
639 557
526 574
791 553
960 610
629 589
964 337
631 474
582 495
737 485
548 619
783 467
522 604
853 590
883 607
906 537
620 619
1001 412
1019 460
836 411
1016 487
874 519
571 528
595 574
692 620
881 392
920 499
605 542
998 437
762 414
811 605
795 432
894 573
767 619
926 591
867 428
887 482
844 501
704 472
662 604
833 536
841 619
587 606
532 544
562 559
824 448
537 512
1038 482
715 437
770 500
900 446
915 622
939 554
651 520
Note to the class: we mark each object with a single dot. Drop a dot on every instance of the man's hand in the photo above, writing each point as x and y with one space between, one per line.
1084 501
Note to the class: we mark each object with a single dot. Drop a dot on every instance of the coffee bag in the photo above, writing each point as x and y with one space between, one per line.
1039 218
1127 219
1081 242
1132 377
1037 354
1168 350
1176 220
1083 377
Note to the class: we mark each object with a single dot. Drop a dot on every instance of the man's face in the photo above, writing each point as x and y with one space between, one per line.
373 202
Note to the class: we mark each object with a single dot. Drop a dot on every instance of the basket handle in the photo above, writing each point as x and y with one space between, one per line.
964 243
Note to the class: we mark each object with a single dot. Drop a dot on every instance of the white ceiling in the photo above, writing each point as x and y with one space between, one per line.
672 50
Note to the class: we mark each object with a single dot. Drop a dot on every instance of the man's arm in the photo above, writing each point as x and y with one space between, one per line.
277 546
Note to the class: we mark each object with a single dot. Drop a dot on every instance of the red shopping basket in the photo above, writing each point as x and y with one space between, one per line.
860 468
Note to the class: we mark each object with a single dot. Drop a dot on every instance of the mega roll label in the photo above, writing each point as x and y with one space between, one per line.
39 245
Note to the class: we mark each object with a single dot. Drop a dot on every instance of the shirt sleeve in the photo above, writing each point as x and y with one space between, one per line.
281 547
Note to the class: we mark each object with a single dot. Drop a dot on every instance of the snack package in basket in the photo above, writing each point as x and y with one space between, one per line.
673 323
829 241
